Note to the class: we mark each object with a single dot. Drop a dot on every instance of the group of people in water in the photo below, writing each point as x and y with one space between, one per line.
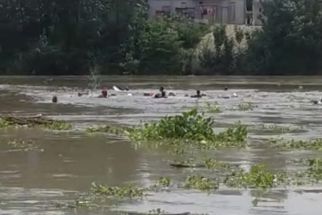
161 94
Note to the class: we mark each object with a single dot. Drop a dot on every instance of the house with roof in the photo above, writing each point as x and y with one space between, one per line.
238 12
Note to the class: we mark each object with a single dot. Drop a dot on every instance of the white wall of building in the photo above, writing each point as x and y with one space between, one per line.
221 11
159 5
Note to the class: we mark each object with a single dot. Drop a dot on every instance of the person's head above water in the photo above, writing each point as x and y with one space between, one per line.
104 92
161 89
198 92
54 99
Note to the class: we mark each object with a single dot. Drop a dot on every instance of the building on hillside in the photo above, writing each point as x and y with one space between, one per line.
212 11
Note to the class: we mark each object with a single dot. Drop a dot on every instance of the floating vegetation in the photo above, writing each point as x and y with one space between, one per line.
157 211
201 183
214 164
315 169
37 121
119 131
127 191
189 127
213 108
298 144
23 145
258 177
163 182
278 129
246 106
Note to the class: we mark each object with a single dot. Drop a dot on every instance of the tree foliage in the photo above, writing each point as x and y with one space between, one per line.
59 37
290 41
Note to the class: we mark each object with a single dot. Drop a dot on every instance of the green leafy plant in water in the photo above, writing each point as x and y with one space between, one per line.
246 106
4 123
214 164
279 129
58 125
315 169
236 134
108 129
127 191
42 122
298 144
23 145
164 182
200 183
189 127
258 177
157 211
213 108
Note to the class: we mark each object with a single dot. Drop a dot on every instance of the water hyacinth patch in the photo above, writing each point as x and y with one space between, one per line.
163 182
190 127
246 106
201 183
298 144
214 164
57 125
24 145
274 128
315 169
213 108
4 123
38 121
258 177
127 191
119 131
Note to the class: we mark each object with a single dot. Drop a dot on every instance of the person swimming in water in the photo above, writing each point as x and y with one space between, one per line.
198 94
54 99
162 94
103 93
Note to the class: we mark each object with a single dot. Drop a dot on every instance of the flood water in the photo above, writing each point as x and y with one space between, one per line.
58 166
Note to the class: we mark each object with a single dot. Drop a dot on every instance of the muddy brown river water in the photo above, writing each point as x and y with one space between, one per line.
58 166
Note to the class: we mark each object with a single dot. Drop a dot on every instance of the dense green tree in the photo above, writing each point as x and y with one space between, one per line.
290 41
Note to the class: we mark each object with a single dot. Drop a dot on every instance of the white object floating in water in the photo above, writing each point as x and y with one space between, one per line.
130 94
235 95
318 102
116 89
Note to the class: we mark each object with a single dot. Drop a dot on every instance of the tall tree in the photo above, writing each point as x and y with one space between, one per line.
291 39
